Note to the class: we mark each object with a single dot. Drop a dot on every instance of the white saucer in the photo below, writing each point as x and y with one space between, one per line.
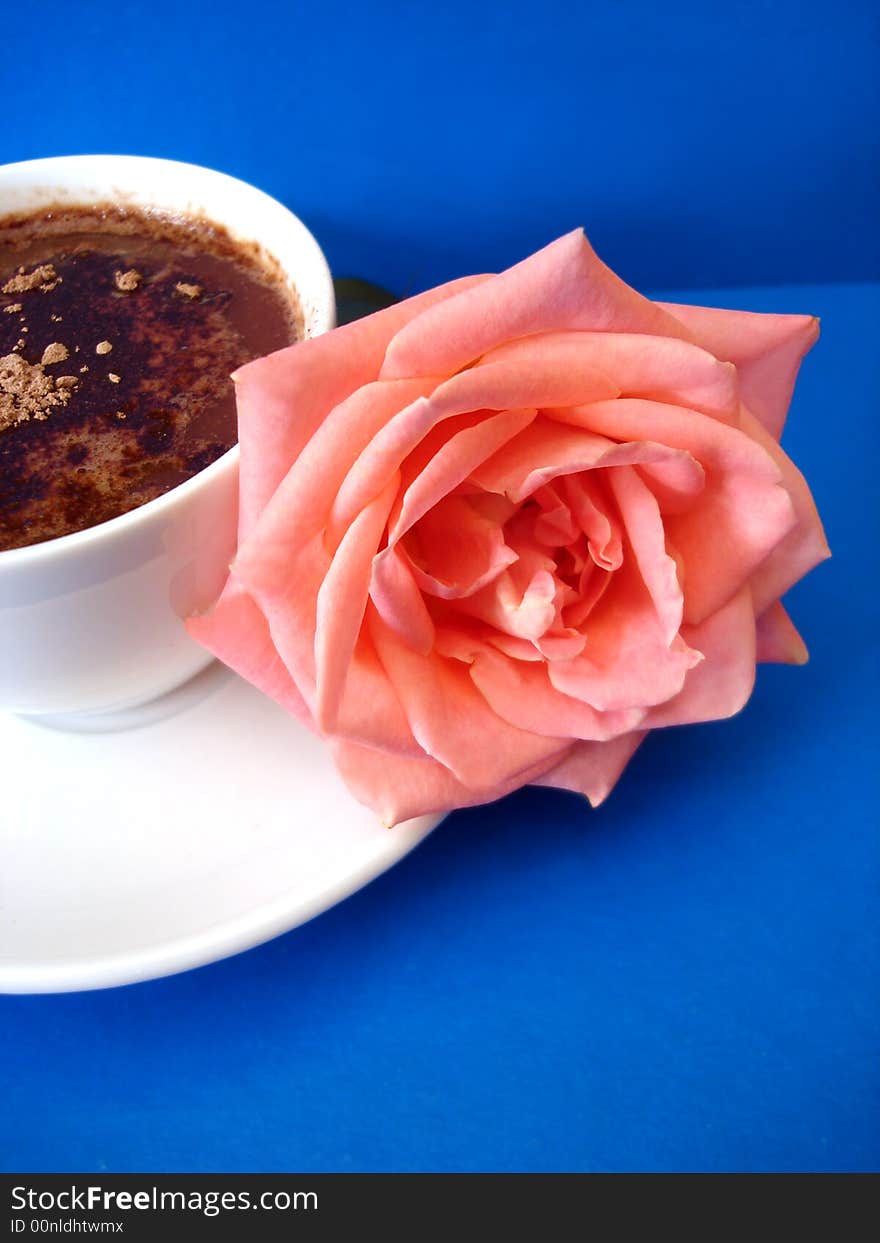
199 827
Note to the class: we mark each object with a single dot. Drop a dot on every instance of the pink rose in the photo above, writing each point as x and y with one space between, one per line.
494 534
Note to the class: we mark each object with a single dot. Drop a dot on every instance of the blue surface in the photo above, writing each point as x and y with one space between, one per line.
686 979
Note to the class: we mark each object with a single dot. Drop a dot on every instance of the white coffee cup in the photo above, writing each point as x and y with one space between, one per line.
92 622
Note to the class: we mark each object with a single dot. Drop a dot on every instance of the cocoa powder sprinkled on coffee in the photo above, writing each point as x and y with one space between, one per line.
54 353
44 278
27 392
126 281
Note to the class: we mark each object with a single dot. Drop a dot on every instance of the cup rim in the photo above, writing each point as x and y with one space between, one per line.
76 540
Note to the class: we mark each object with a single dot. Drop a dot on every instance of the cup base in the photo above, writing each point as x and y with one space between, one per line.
204 683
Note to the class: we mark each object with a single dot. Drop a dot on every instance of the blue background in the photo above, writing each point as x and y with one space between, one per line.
700 144
686 979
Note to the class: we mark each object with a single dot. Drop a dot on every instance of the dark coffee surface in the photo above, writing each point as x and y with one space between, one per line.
146 319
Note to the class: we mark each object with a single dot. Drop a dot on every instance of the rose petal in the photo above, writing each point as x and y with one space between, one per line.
778 642
525 610
593 768
399 788
721 684
556 526
743 512
561 645
299 508
285 560
290 614
675 483
548 449
398 600
284 397
563 286
371 712
628 661
370 709
767 351
524 601
506 384
396 788
644 526
522 694
454 551
594 582
453 462
591 508
805 545
517 649
662 368
497 509
386 453
446 714
533 554
341 602
238 634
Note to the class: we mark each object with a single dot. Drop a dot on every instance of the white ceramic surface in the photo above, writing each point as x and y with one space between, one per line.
217 824
91 622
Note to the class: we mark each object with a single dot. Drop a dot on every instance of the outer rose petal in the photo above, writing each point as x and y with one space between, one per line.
370 708
238 634
592 768
778 642
721 684
284 397
398 788
563 286
662 368
767 351
341 602
512 383
805 545
269 556
371 712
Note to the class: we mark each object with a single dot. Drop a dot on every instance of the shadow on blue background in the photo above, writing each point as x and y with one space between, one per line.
686 979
